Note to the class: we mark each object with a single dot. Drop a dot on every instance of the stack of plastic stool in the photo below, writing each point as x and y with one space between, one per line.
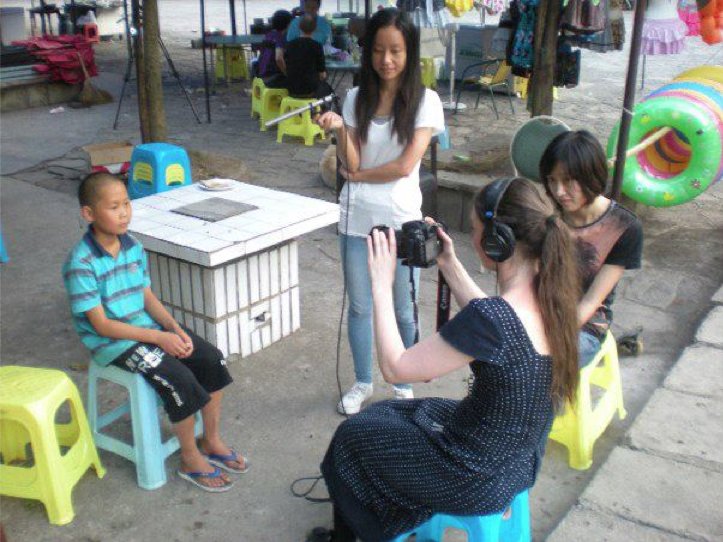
257 90
271 105
90 32
490 528
580 425
232 57
429 78
29 401
157 167
298 125
148 451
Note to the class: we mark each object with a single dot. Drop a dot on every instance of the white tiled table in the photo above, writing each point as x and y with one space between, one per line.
235 281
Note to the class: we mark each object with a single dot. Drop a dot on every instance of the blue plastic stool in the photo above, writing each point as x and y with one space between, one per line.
148 452
443 139
157 167
3 253
491 528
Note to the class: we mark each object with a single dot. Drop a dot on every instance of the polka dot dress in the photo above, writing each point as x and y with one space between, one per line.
395 464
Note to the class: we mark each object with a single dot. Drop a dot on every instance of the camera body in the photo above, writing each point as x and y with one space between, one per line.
417 242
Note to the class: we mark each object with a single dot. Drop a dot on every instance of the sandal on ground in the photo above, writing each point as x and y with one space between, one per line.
221 461
195 479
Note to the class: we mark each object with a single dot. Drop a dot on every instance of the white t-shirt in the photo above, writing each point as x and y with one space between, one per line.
391 203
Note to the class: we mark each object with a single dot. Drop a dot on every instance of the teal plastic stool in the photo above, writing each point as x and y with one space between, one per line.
148 452
3 253
444 142
491 528
157 167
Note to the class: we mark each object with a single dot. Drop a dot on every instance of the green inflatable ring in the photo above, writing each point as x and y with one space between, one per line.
705 143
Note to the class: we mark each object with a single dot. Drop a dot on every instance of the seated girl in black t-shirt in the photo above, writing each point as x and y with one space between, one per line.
609 237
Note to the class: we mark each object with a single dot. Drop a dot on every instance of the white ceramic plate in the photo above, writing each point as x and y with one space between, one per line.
216 185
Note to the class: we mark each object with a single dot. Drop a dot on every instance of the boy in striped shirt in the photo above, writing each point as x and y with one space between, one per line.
121 322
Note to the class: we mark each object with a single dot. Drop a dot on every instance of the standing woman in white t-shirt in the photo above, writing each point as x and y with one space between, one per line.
388 122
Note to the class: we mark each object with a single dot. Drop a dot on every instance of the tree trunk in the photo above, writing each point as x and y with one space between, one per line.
140 71
543 70
153 76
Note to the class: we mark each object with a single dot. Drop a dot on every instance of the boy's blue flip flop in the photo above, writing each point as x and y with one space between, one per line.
219 460
193 478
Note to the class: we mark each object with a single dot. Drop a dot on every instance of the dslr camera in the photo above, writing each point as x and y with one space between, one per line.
417 242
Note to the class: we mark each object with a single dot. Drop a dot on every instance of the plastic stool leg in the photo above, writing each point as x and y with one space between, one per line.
56 495
150 457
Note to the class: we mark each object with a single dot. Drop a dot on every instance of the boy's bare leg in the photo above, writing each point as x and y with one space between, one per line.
211 442
191 458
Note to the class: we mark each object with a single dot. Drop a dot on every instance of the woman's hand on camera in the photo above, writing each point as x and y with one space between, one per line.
330 121
382 249
446 254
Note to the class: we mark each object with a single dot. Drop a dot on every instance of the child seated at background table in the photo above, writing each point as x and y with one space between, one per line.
122 322
305 64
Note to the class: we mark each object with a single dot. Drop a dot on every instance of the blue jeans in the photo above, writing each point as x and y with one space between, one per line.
359 315
588 345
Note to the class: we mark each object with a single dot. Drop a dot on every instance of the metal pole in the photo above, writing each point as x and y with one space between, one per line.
232 9
629 98
367 9
205 66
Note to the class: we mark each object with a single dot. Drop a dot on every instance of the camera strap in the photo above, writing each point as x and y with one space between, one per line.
414 304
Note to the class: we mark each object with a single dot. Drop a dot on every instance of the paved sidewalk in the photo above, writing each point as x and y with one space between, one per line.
664 482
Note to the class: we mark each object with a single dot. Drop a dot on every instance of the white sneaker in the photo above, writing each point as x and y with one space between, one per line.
352 401
403 393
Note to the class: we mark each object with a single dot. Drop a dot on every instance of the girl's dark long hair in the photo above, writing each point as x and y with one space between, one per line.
411 91
543 236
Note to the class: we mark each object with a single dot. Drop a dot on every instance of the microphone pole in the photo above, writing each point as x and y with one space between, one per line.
310 107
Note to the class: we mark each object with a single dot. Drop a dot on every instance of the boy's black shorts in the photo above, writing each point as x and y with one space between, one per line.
184 385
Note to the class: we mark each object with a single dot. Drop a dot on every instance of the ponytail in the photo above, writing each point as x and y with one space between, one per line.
542 236
558 293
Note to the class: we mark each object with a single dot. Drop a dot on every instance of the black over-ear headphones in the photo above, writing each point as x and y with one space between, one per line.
498 239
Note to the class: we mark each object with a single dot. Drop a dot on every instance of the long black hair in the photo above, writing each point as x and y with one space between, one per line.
582 157
411 91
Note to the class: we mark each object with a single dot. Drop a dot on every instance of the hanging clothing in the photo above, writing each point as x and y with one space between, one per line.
584 16
663 37
522 54
688 12
612 38
425 13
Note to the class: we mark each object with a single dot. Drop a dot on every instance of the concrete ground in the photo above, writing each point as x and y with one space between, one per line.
280 412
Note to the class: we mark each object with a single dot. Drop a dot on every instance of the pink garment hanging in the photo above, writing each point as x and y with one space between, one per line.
663 37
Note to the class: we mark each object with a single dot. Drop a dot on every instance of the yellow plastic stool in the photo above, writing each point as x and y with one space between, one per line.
582 423
521 84
429 78
29 401
235 61
299 125
257 90
271 105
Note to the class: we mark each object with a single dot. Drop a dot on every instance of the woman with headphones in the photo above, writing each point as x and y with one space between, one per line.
390 468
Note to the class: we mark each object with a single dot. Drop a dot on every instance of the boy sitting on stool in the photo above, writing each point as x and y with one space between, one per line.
122 322
305 64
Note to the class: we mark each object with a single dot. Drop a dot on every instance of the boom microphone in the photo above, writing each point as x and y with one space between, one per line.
323 101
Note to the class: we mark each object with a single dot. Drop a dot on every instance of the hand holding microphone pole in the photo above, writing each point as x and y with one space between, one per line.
326 100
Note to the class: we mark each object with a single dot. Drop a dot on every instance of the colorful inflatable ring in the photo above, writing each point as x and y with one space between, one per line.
714 110
712 73
696 125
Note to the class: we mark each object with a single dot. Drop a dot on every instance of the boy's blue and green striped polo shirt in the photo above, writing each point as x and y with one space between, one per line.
93 277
